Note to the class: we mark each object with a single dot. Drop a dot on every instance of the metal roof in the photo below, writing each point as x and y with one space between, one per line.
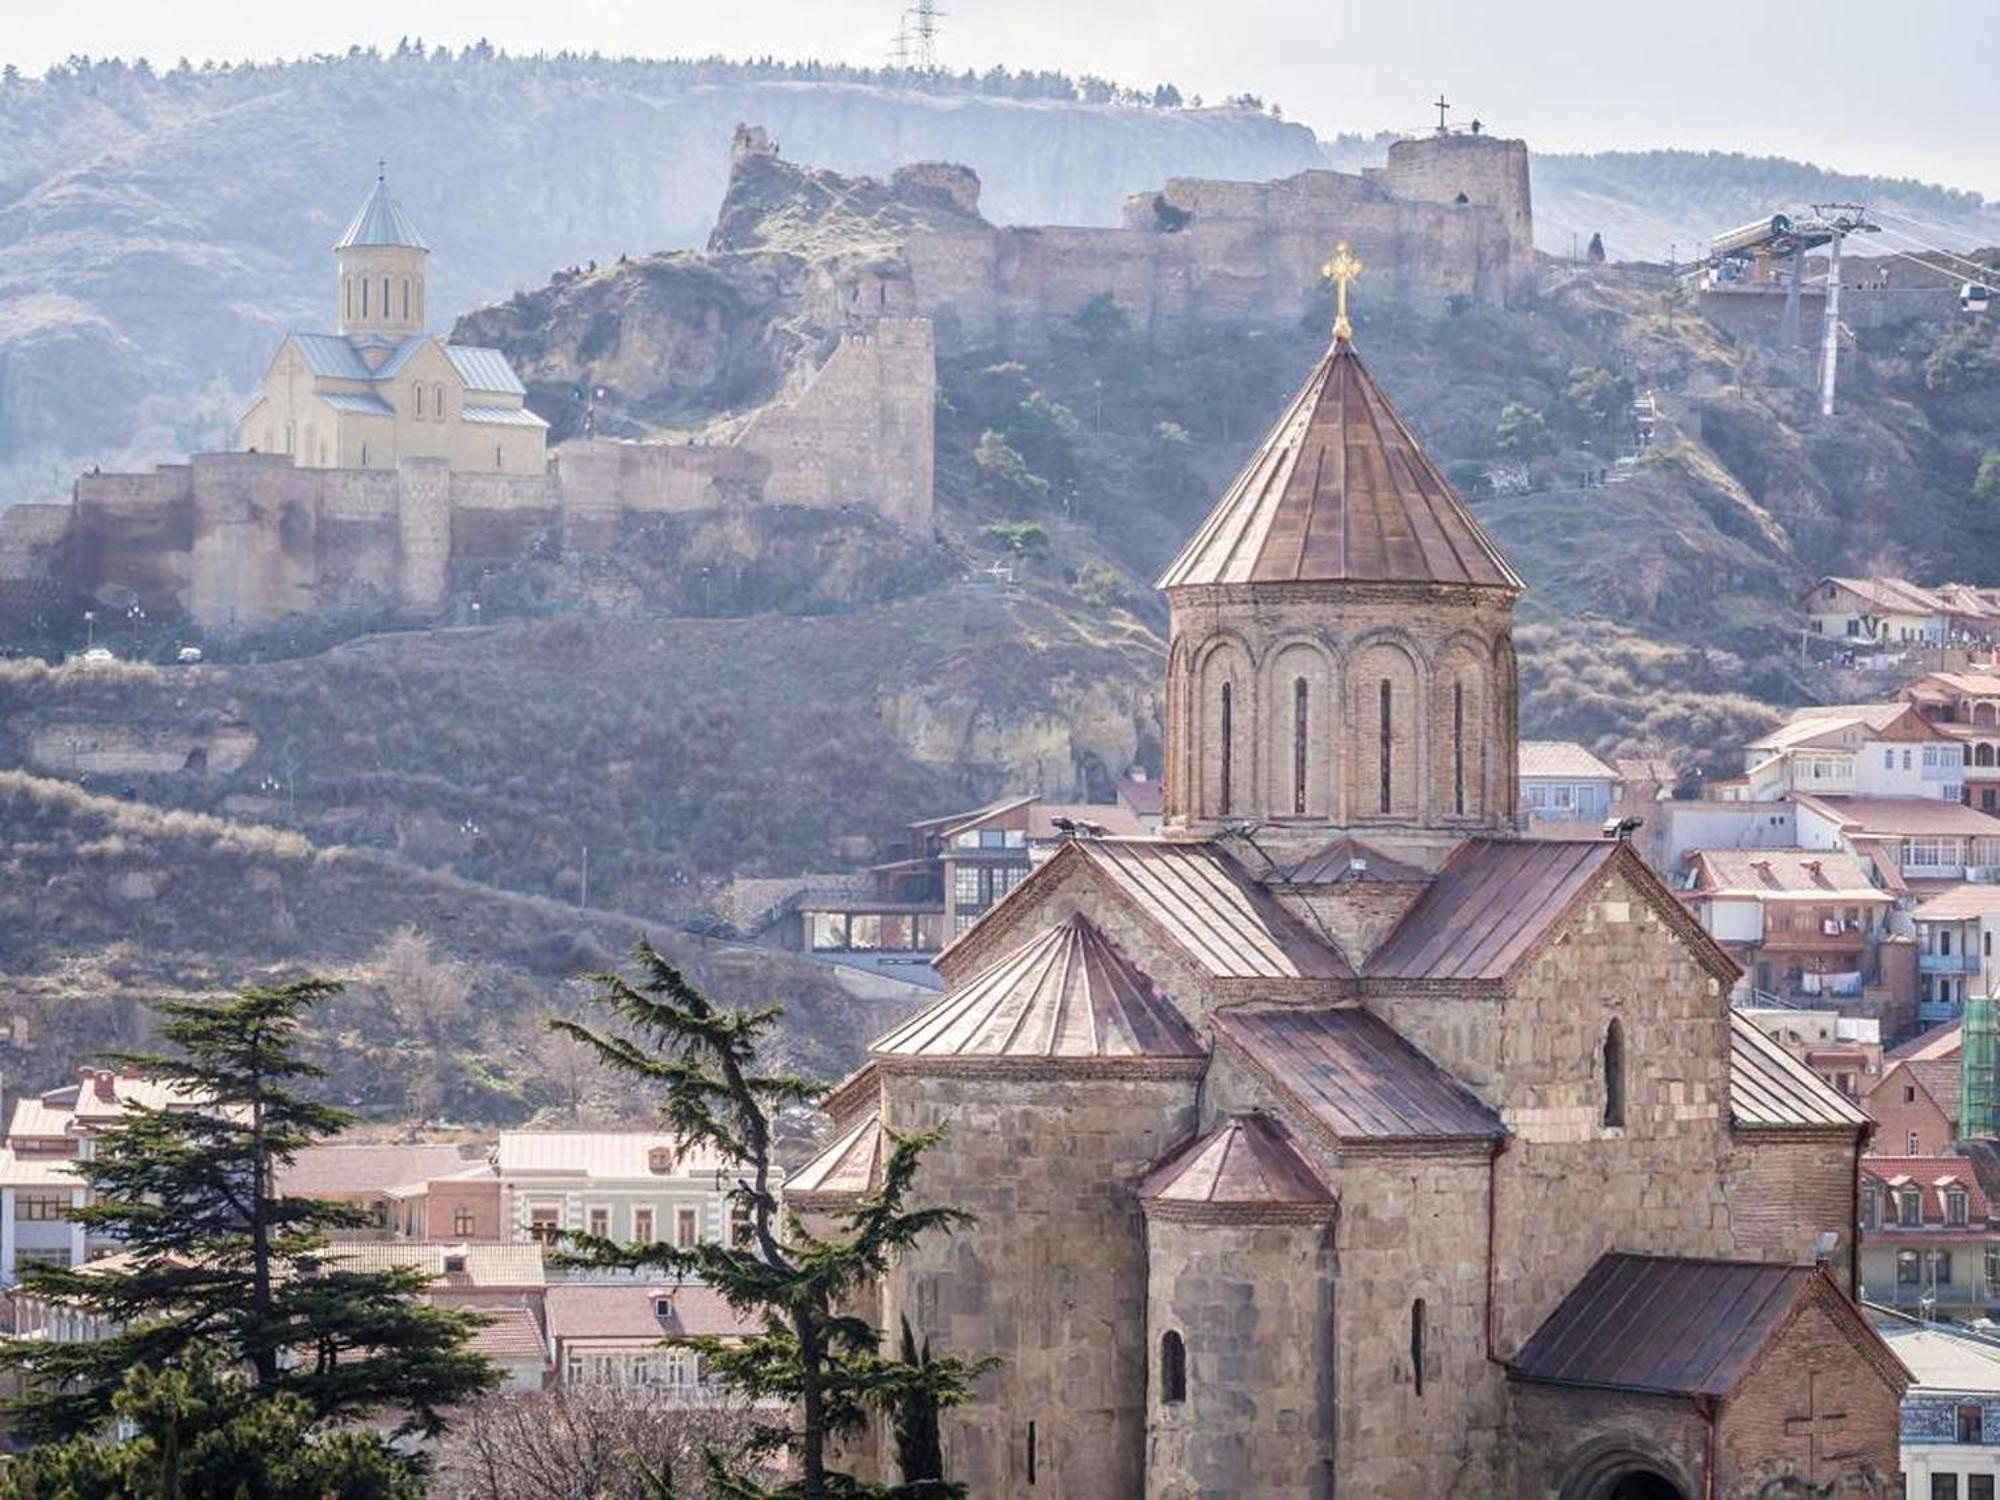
846 1167
381 221
1340 490
1489 905
606 1155
1765 873
1961 903
1564 758
502 416
1247 1161
630 1311
1202 901
1065 993
485 1265
357 405
1350 859
1902 817
1768 1087
1670 1326
1355 1076
331 355
484 369
403 353
365 1169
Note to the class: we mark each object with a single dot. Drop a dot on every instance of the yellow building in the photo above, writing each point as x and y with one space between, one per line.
382 390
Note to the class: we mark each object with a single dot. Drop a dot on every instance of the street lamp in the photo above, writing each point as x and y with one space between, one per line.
89 629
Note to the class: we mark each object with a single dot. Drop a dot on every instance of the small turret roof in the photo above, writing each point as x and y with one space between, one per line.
1341 491
381 221
1065 993
1247 1161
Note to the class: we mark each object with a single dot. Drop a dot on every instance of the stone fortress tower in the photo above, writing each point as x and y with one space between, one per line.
1338 1141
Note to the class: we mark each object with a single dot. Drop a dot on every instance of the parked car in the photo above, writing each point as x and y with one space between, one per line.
188 656
96 656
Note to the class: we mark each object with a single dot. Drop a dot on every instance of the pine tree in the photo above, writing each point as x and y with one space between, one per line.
822 1363
214 1264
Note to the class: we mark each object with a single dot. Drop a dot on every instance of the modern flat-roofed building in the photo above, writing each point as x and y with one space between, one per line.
1951 1412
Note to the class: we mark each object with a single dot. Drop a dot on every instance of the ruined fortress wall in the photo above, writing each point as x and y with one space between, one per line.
34 548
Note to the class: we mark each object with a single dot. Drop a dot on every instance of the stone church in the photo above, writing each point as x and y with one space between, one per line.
381 390
1338 1141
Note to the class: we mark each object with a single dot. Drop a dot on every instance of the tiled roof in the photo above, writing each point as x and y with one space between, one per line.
331 355
1146 798
1902 817
1930 1175
1940 1041
484 369
1490 904
501 416
1890 595
599 1154
1248 1161
1339 860
627 1310
1667 1325
1564 758
1942 1078
1202 901
1770 873
1354 1076
357 404
1340 490
487 1265
1115 818
381 221
366 1169
845 1168
1961 903
1771 1089
1065 993
510 1333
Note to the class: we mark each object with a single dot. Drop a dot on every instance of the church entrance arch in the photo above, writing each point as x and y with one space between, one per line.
1623 1472
1644 1484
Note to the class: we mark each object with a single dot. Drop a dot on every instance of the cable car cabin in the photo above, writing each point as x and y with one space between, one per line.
1975 296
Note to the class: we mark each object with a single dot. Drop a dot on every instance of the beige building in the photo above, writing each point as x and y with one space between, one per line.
1338 1141
381 390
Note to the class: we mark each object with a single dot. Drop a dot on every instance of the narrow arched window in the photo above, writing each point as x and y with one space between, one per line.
385 296
420 398
364 296
406 299
1458 748
348 284
1228 766
1301 727
437 403
496 455
1173 1368
1614 1075
1387 736
1417 1342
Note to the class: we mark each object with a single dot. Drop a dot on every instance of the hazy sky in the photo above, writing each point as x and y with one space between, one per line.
1905 87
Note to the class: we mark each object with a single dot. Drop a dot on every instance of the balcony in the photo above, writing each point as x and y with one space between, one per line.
1948 963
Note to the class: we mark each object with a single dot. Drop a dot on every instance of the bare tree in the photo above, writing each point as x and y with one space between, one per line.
428 997
585 1443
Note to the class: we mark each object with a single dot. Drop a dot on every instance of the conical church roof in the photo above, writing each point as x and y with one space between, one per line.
1340 491
1065 993
381 221
1248 1160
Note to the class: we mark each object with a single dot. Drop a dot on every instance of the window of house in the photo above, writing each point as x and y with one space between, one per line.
829 931
1979 1487
406 299
1938 1270
1906 760
1944 1486
437 402
1992 1269
1386 726
385 296
642 1226
464 1224
420 398
740 1226
598 1220
1871 1206
965 886
1173 1368
686 1227
1930 755
1909 1270
1458 748
1910 1146
545 1223
1614 1075
1228 747
1910 1207
1954 1207
364 296
1910 1097
1888 760
41 1207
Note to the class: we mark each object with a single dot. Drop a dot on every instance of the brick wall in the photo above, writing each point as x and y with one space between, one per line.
1901 1107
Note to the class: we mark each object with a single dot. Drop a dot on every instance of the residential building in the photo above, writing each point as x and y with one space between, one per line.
1911 845
613 1333
1929 1240
1801 922
1966 705
1955 949
413 1192
1845 1051
1875 612
1915 1106
1562 783
1951 1412
1864 749
634 1187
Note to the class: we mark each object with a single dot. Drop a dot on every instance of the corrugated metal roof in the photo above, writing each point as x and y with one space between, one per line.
602 1155
360 406
1823 873
502 416
1666 1325
1340 489
1065 993
1488 906
1204 903
331 355
484 369
403 353
847 1167
1355 1076
18 1171
1768 1087
1249 1160
381 221
1961 903
1564 758
1350 859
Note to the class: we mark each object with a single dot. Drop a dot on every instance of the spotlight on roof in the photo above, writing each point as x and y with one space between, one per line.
1824 1244
1622 828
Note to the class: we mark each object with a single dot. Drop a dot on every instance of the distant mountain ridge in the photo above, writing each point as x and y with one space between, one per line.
160 230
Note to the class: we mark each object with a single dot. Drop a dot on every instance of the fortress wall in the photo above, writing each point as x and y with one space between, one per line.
424 533
134 533
256 538
357 529
474 517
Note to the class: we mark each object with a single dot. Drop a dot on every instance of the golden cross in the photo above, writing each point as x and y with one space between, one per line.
1343 268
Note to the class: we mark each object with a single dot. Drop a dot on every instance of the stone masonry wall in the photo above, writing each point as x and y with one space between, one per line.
1052 1277
1254 1303
1562 1437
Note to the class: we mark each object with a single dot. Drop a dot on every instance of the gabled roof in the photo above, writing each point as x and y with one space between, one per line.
484 369
1678 1327
1777 873
509 1334
1878 722
1901 817
846 1168
331 355
1496 899
380 221
368 1168
620 1312
1771 1089
1962 903
1353 1076
1940 1041
1563 758
1249 1161
404 352
1340 490
1940 1077
1065 993
1889 595
358 404
1931 1176
1350 859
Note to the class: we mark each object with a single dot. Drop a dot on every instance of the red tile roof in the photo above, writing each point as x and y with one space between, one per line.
1065 993
1931 1175
1340 490
1249 1161
1353 1076
1942 1040
510 1333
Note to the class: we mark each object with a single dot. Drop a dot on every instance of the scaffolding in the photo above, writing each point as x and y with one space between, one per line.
1977 1070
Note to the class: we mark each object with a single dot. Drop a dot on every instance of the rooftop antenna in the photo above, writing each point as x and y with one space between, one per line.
927 15
1442 106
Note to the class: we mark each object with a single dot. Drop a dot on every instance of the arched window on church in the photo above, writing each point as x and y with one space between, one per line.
420 398
385 296
1301 728
437 404
1458 748
347 283
1417 1342
406 299
1173 1368
496 455
1387 730
1228 751
1614 1075
364 296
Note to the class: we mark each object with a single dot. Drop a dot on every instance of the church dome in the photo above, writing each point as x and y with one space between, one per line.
381 221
